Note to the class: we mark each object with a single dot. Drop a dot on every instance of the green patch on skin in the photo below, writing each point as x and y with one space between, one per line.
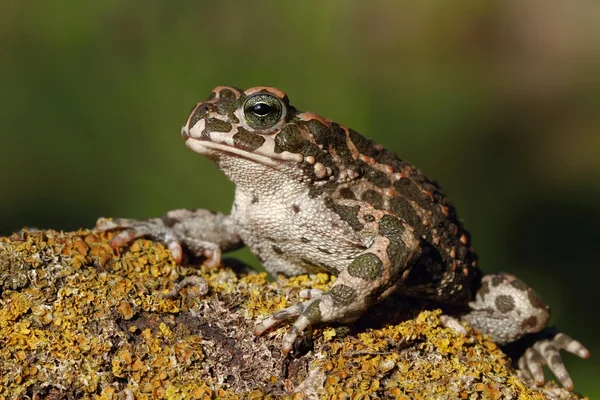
367 266
322 134
228 108
399 206
364 145
216 125
389 158
342 295
246 140
390 226
334 138
289 139
409 189
375 176
398 253
226 94
348 214
313 312
373 198
199 113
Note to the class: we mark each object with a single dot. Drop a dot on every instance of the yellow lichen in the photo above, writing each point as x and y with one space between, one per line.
87 321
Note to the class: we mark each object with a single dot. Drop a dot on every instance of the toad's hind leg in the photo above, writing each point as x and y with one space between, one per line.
369 278
507 309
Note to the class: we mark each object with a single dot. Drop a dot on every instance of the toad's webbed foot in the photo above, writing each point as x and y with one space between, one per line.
547 352
201 232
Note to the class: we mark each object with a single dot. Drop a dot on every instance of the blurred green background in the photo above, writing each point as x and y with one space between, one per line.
498 100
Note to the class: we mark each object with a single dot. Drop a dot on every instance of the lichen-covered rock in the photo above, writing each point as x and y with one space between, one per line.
79 320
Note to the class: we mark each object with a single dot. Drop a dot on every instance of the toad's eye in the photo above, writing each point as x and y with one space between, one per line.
263 110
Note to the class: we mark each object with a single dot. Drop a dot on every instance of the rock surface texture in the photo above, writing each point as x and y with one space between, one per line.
79 320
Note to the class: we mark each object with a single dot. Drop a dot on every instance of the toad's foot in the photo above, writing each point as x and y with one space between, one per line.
507 309
295 311
203 233
547 352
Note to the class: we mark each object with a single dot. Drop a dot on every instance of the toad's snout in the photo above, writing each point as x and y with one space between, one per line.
185 133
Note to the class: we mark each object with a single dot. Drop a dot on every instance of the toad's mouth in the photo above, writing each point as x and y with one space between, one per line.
209 148
218 145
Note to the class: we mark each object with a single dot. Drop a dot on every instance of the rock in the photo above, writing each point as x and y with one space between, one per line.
81 320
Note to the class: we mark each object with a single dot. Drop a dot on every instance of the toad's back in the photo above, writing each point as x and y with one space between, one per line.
447 269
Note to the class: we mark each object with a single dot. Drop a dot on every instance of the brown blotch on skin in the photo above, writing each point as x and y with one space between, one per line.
504 303
347 193
295 208
517 284
462 252
323 250
556 360
497 280
484 290
536 300
277 249
529 323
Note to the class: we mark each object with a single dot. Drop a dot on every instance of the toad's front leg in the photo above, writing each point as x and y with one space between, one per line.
202 232
369 278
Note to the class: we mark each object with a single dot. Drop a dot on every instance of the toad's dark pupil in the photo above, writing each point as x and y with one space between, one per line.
261 109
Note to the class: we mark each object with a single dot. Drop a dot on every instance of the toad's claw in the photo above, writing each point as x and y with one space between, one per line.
547 352
302 322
